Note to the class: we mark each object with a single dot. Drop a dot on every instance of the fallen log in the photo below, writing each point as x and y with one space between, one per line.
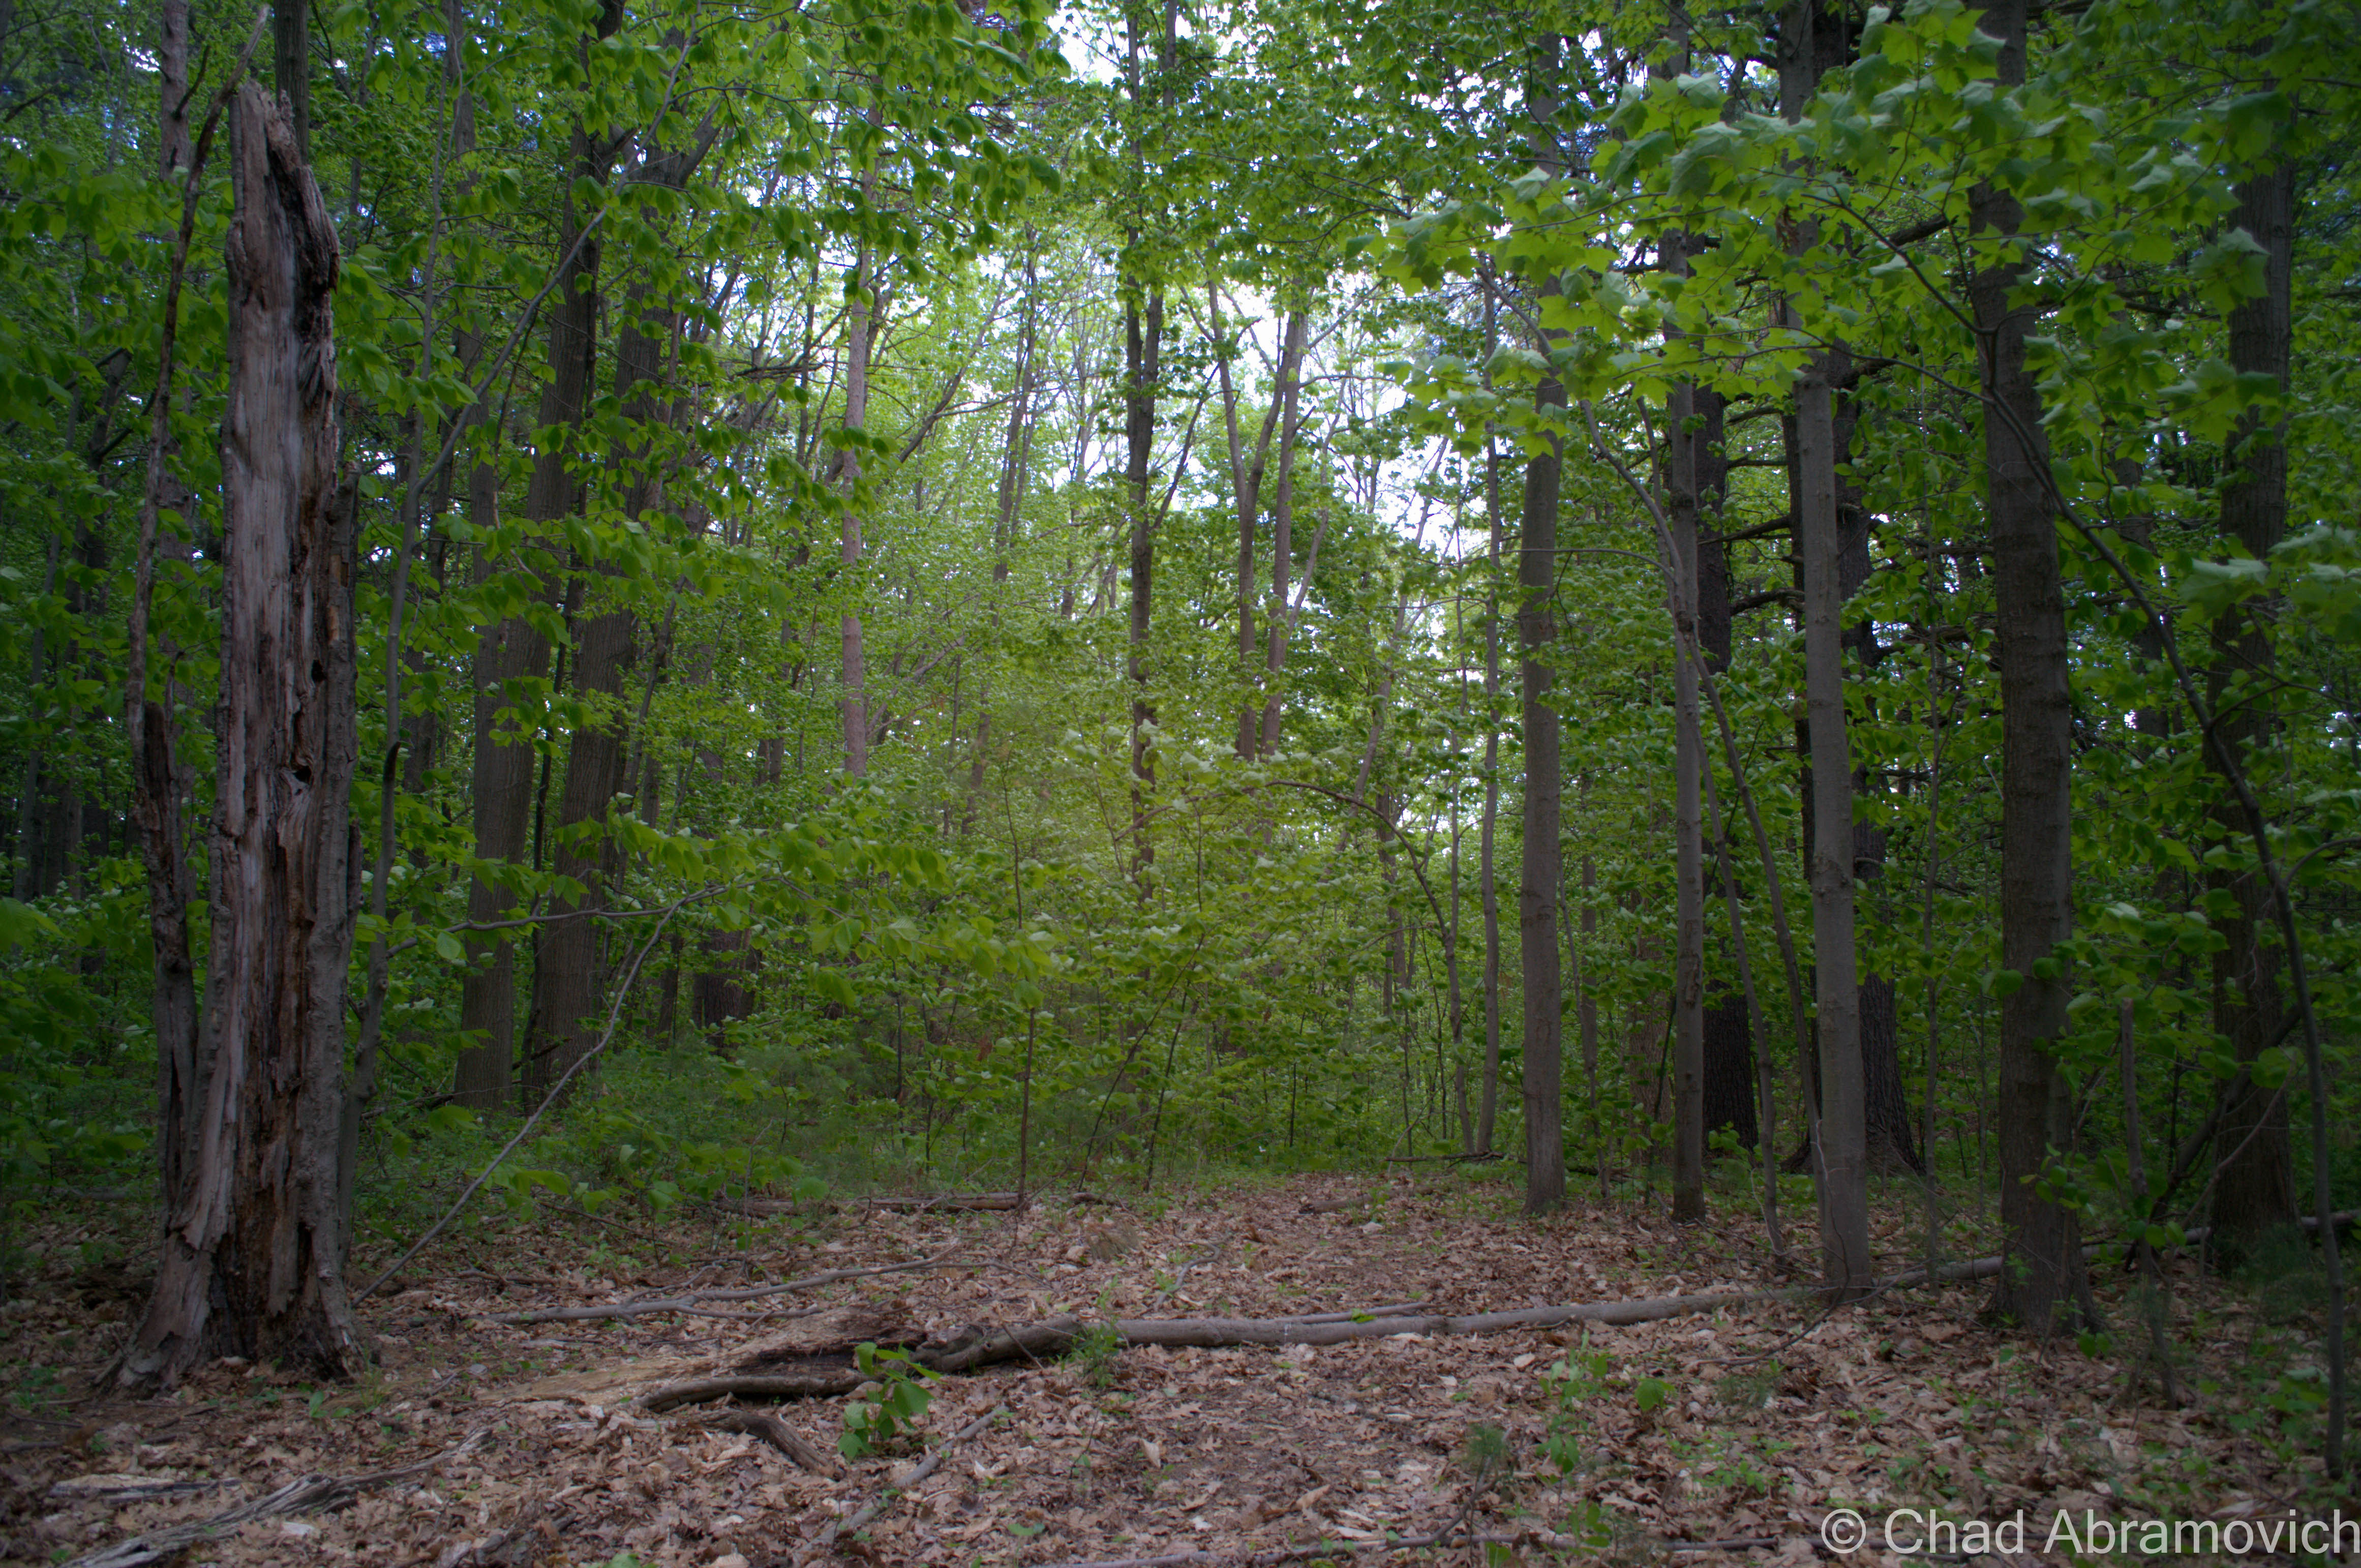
1055 1336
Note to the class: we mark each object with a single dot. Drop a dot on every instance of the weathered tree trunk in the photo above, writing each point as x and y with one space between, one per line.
2255 1188
253 1254
502 775
2039 1241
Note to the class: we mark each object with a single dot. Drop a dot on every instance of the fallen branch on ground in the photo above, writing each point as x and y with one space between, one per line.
913 1481
777 1433
1055 1336
304 1494
698 1298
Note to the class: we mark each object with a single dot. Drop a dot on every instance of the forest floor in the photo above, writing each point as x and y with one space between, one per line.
1582 1444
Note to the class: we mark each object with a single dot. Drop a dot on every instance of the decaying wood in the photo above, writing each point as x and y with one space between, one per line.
700 1298
777 1433
254 1241
914 1480
304 1494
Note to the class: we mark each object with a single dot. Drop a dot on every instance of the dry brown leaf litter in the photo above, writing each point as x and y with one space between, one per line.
1906 1401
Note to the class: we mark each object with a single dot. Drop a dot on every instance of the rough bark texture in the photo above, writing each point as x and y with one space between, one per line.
500 786
253 1254
2039 1238
2255 1190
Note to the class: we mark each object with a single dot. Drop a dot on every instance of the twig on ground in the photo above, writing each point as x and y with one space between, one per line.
305 1494
916 1477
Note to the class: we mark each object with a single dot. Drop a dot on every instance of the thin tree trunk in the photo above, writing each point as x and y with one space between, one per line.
1282 524
2041 1241
1536 627
1842 1173
253 1254
1487 833
1246 484
859 311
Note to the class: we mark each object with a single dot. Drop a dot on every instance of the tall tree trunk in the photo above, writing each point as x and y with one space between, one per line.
1727 1044
253 1255
2255 1188
2041 1241
1536 630
159 780
566 955
860 309
1689 756
1142 336
1143 346
1845 1264
1245 487
1844 1201
502 775
1488 831
1282 524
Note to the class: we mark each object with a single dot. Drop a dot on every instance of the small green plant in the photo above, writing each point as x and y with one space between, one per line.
888 1405
1094 1352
